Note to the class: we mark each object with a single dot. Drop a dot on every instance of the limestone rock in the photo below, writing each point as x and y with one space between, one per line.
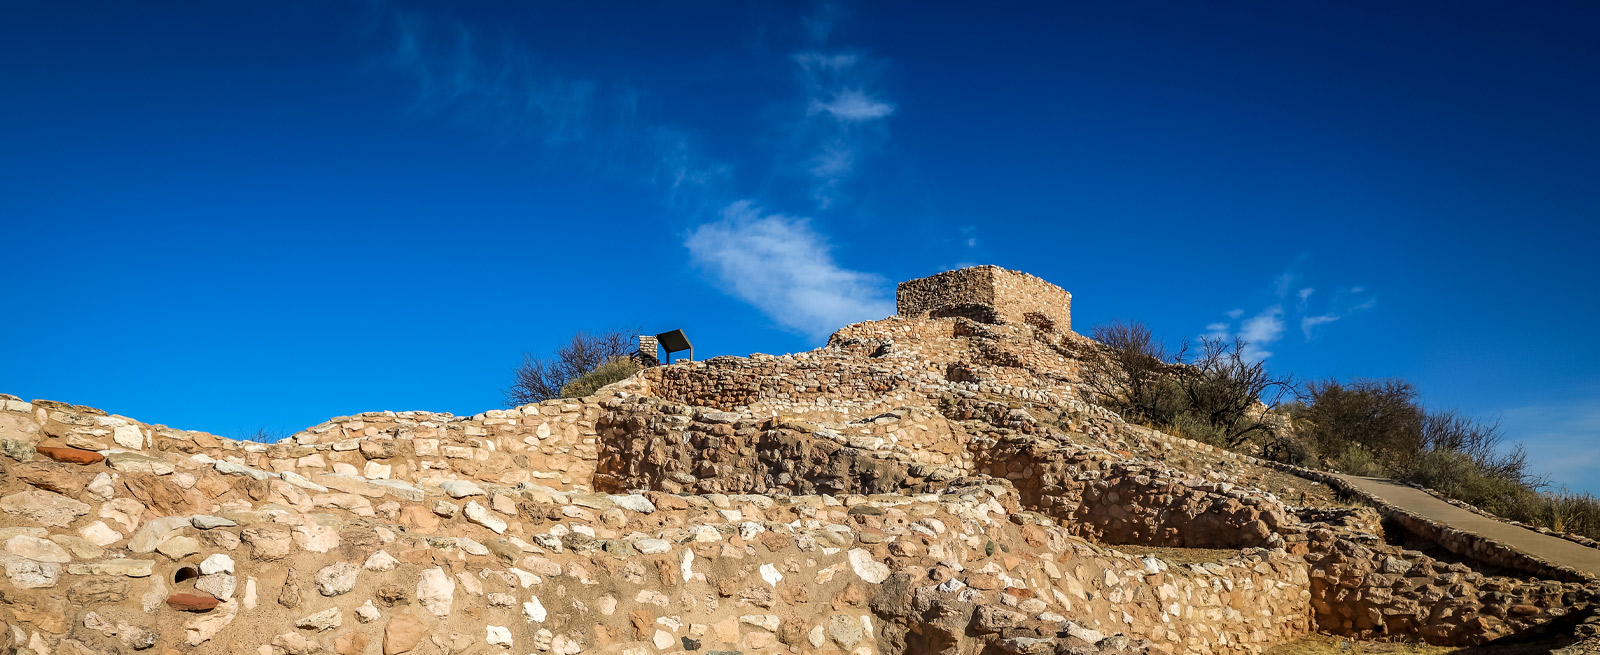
327 619
337 578
44 507
436 591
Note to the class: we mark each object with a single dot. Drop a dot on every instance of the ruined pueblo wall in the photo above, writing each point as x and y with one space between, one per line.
376 454
988 294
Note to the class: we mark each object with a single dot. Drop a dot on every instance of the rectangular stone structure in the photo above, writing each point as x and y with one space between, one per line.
989 294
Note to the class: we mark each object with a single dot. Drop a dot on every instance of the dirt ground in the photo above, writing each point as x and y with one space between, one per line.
1325 645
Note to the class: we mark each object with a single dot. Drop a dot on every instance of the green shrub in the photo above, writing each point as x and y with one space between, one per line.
615 370
1568 511
1193 426
1355 460
1455 474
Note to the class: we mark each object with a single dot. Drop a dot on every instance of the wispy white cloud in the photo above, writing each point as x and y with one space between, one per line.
1289 302
1345 302
784 267
1261 331
853 105
843 113
778 263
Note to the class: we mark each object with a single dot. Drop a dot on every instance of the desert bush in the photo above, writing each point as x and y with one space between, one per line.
1192 426
1356 460
1289 448
1231 393
1568 511
1381 415
1482 441
1130 375
1455 474
615 370
543 378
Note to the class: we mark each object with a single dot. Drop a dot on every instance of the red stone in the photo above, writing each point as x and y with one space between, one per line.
191 602
70 455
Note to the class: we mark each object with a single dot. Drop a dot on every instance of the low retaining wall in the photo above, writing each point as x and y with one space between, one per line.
1460 542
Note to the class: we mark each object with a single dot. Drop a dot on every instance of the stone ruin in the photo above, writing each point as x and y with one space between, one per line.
987 294
926 483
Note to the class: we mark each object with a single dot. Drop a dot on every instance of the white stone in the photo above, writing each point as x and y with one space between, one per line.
219 585
101 487
770 574
337 578
327 619
128 436
524 578
461 488
482 516
367 613
663 640
436 591
375 471
652 546
534 610
218 563
634 503
868 568
685 564
497 636
36 549
766 622
31 574
381 561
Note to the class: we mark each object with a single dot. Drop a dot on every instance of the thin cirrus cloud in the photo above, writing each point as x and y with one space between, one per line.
1290 303
778 263
782 266
842 119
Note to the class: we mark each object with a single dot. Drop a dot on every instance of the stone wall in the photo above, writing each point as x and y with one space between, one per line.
1460 542
104 552
987 294
1365 588
551 443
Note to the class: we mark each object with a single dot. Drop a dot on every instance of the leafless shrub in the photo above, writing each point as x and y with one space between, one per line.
1228 391
542 378
1130 374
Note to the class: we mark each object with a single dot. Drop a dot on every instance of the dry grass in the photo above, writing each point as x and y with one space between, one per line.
1326 645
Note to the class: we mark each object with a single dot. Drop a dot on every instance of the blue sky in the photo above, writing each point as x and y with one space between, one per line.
230 216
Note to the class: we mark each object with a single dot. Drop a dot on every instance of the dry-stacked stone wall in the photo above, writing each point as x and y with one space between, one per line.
829 384
1366 588
658 446
104 553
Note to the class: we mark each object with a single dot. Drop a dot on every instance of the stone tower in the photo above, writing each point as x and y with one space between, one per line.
989 294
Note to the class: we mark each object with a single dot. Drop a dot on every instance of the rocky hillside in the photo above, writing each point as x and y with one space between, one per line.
923 484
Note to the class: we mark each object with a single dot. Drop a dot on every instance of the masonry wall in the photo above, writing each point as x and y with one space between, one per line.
988 294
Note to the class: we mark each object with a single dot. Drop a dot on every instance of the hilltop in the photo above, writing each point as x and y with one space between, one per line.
933 482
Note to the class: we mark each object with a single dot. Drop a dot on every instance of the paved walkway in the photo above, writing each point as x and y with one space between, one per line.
1554 549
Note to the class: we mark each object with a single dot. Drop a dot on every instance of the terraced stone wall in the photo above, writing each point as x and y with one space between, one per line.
651 445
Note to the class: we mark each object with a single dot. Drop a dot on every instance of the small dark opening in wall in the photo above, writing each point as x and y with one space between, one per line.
185 573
